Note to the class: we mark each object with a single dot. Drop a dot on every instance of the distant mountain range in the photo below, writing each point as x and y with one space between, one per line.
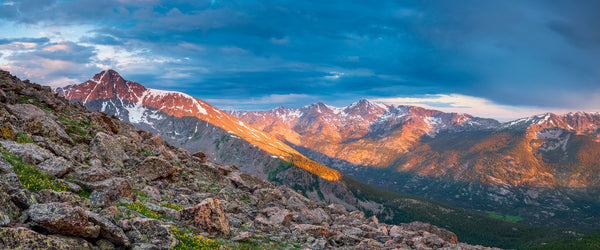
524 152
545 168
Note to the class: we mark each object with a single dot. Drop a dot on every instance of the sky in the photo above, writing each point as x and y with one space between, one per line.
499 59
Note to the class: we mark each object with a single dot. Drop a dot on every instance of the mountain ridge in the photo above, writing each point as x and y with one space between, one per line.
109 84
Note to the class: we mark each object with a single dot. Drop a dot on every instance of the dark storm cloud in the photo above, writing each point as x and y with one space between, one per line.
540 53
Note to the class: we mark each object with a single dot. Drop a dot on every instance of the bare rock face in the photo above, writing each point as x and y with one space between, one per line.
207 216
108 149
154 168
63 219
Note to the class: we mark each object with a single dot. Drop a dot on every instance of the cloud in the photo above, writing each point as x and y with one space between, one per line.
101 40
517 53
475 106
36 40
263 102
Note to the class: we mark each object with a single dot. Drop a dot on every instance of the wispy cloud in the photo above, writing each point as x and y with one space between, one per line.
475 106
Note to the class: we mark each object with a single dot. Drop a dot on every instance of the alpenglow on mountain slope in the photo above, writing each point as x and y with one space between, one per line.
544 168
364 132
130 101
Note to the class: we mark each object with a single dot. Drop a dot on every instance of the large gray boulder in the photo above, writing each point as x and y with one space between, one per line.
108 149
62 218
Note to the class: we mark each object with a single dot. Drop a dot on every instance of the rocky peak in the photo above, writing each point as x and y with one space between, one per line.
107 84
365 109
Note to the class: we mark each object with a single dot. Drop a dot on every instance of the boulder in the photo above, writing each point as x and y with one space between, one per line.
23 198
56 166
91 173
312 216
5 166
208 216
32 151
108 230
49 196
201 156
64 219
154 168
23 238
150 231
47 127
8 210
108 191
273 219
108 149
25 112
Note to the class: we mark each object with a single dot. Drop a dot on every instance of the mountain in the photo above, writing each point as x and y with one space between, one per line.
71 178
364 133
544 169
149 108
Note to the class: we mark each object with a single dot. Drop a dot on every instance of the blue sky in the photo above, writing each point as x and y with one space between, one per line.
500 59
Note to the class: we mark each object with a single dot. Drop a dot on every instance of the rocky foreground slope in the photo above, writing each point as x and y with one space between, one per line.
72 178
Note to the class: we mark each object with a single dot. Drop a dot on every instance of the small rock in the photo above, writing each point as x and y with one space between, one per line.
315 231
244 236
370 244
23 198
201 156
